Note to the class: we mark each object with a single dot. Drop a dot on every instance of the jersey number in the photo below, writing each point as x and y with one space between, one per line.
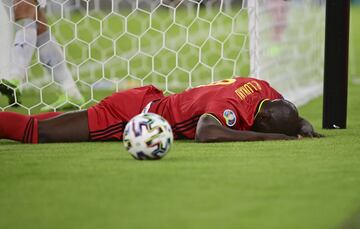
221 82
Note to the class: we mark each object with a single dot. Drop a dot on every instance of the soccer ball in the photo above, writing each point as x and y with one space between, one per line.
148 136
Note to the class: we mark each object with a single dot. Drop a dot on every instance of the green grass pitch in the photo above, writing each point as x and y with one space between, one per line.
288 184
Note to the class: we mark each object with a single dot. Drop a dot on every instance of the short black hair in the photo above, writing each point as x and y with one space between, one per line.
278 116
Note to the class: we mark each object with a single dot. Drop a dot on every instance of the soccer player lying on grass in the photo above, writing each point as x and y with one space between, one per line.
239 109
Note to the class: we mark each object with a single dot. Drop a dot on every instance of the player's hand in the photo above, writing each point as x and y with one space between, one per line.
42 3
308 131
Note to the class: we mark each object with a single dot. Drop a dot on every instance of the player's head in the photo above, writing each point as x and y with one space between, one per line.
277 116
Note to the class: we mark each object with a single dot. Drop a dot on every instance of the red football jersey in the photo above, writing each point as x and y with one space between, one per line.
233 102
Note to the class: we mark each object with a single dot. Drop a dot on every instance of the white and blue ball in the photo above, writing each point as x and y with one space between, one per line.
148 136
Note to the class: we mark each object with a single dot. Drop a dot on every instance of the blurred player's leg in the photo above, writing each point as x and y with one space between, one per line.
33 32
25 38
6 39
52 57
279 12
22 49
279 16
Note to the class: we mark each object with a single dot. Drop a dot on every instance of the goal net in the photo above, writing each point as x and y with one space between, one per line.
111 45
287 46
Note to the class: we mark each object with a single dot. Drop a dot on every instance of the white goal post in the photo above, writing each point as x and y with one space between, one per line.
287 46
110 45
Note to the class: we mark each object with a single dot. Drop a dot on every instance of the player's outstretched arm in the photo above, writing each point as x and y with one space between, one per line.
307 130
210 130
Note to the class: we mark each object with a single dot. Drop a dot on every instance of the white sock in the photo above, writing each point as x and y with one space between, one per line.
22 49
52 57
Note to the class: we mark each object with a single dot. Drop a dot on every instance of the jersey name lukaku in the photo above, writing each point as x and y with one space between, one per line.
233 102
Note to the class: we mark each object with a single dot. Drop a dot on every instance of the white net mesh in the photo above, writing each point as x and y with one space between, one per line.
111 45
287 40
